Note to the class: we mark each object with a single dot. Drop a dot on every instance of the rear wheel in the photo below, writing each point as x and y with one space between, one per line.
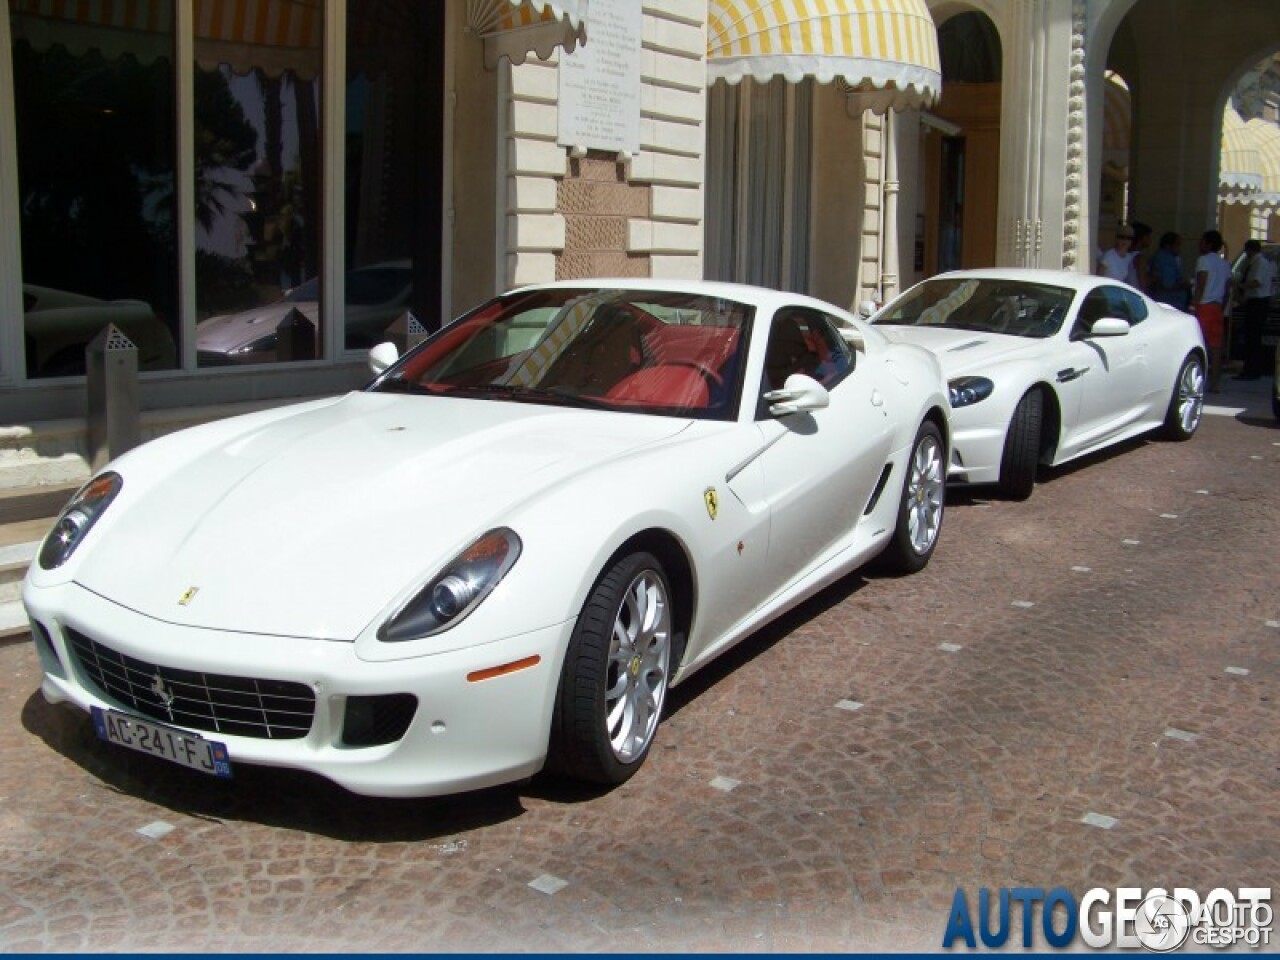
1186 406
1021 454
920 508
615 676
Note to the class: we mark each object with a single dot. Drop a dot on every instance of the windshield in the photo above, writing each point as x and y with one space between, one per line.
643 351
990 305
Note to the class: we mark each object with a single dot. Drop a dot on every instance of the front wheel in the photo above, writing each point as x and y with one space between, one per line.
1186 406
615 676
1021 456
921 505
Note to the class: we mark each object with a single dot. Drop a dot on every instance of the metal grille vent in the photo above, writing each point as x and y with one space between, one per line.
117 341
215 703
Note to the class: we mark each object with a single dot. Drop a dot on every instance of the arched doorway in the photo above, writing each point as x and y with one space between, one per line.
961 147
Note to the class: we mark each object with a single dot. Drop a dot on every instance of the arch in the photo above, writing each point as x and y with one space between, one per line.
961 158
1176 112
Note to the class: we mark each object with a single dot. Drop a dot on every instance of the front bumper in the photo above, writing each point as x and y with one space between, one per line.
976 451
464 734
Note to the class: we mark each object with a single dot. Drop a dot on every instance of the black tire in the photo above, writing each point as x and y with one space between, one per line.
1186 404
585 743
1021 455
921 502
1275 406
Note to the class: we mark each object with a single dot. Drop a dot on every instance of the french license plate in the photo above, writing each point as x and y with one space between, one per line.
157 740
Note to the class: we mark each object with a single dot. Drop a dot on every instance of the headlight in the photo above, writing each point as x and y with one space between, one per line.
78 518
966 391
260 345
456 590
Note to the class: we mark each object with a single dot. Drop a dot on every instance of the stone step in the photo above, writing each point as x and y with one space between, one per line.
13 620
14 560
32 504
55 452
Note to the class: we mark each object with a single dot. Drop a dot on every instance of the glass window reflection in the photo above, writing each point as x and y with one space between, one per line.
257 184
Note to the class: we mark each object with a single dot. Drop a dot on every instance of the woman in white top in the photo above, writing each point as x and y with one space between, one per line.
1115 263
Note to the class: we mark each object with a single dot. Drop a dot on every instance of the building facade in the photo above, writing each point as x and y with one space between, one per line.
255 191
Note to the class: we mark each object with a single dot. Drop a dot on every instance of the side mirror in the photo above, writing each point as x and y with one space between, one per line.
866 308
382 356
799 394
1109 327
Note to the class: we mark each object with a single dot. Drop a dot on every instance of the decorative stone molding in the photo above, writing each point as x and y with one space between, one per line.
1071 213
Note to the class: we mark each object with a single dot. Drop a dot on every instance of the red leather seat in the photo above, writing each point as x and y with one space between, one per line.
662 386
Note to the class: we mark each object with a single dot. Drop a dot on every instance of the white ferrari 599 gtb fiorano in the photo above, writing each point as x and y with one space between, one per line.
500 554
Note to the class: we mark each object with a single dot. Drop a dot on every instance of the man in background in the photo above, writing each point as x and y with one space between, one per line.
1257 274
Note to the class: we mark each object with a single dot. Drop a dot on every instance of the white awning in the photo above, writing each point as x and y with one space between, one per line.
885 50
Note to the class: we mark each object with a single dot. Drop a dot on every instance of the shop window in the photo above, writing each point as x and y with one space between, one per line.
95 147
393 192
257 187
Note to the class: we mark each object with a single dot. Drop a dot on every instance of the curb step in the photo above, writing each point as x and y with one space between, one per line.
34 502
13 620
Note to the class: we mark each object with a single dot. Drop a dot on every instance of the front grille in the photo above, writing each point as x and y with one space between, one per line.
213 702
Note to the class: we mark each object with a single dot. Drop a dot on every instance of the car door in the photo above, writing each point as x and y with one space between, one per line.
819 468
1110 373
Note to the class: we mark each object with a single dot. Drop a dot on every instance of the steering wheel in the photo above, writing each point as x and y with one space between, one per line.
712 377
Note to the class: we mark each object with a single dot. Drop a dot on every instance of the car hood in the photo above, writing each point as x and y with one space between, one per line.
965 351
230 331
310 525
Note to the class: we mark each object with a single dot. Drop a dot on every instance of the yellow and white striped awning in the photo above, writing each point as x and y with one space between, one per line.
1240 169
272 35
1266 136
516 28
885 49
277 35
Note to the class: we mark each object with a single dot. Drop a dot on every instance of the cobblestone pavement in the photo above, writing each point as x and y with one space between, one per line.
1110 647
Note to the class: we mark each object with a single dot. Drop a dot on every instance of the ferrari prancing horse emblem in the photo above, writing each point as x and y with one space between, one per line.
187 597
712 501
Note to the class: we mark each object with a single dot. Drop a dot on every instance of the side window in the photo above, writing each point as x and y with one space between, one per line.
1093 309
1108 302
805 341
1135 309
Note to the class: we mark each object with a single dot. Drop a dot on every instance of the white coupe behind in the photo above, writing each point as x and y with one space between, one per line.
1047 366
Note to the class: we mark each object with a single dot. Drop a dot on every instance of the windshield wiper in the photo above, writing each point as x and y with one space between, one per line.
533 395
403 385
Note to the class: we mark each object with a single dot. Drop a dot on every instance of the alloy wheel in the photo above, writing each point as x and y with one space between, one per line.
639 663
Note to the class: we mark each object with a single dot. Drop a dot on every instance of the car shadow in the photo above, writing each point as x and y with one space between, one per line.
755 644
1253 418
269 796
1106 454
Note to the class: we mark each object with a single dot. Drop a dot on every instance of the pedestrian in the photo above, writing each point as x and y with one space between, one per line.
1115 262
1166 281
1139 264
1209 298
1257 275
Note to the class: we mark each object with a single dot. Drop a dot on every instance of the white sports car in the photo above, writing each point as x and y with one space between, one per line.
500 554
1046 366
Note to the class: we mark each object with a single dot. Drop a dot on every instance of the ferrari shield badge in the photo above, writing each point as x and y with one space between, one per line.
712 501
188 596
